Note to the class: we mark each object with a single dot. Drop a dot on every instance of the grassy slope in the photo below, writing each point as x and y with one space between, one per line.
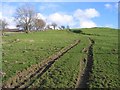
105 68
31 49
34 47
64 72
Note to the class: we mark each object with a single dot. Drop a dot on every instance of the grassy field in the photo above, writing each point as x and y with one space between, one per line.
105 68
22 50
64 73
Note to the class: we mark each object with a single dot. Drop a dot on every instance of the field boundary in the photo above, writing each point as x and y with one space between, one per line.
84 73
22 77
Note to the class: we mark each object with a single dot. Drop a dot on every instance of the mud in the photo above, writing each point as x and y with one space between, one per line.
26 77
83 78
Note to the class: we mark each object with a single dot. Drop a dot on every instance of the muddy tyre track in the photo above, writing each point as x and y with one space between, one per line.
83 79
26 77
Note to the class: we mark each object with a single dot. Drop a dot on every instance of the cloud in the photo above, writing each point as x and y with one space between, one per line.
108 5
111 6
91 13
85 17
7 13
61 19
86 14
10 21
78 18
87 24
58 18
40 16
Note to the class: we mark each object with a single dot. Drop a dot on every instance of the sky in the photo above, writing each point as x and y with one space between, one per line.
74 14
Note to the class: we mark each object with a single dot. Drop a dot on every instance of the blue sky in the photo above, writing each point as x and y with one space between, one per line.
74 14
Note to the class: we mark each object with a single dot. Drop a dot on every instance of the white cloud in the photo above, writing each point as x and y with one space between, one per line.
10 21
86 14
91 13
61 19
79 18
108 5
111 6
87 24
40 16
7 14
58 18
85 17
79 14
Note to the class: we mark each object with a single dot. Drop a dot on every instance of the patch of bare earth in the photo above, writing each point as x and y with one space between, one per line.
85 67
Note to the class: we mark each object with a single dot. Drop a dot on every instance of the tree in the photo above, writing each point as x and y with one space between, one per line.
54 25
24 16
62 27
48 27
3 25
39 24
68 27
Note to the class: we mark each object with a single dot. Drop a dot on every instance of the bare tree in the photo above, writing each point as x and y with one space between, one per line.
24 16
39 24
54 25
3 25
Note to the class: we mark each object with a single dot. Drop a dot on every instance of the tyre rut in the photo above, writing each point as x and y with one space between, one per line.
36 71
84 75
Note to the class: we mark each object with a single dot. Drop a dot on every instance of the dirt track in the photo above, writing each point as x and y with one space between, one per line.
84 75
25 78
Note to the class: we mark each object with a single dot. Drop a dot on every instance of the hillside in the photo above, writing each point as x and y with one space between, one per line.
61 59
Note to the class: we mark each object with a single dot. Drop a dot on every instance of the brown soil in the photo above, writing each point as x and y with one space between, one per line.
83 78
25 78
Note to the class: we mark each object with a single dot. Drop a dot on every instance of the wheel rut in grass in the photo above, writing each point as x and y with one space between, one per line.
83 78
27 77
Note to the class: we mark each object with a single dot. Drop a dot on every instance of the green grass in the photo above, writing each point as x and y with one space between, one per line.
64 72
31 49
23 50
105 69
